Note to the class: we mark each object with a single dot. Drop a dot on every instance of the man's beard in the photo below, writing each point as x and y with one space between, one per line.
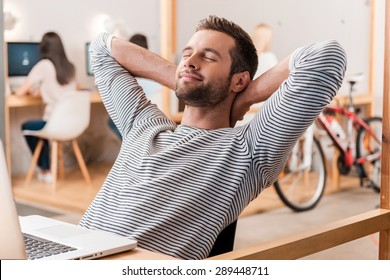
205 95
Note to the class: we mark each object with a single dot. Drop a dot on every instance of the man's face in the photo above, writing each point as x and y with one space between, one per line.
202 77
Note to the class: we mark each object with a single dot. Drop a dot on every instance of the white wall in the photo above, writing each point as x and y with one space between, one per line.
79 21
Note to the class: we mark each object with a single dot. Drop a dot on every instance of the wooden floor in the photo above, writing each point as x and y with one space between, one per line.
74 195
269 199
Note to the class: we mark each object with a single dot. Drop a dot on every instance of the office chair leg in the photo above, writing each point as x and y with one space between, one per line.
54 164
34 161
80 160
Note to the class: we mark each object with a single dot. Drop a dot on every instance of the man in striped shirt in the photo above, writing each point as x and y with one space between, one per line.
174 188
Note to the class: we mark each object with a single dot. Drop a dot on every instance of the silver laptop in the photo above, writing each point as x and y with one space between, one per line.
38 237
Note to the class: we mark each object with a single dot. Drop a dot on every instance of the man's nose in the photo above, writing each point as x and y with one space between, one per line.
192 62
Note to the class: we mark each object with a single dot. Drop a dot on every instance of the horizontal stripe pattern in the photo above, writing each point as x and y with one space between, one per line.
174 188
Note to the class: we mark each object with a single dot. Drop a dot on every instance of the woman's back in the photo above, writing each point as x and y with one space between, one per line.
43 75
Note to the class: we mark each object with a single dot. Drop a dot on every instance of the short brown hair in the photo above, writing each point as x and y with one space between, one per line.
140 40
244 56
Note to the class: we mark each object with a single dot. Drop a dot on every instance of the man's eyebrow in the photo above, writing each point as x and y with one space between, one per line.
186 49
214 51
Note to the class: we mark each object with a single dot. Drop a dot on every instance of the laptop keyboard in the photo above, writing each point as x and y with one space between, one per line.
38 248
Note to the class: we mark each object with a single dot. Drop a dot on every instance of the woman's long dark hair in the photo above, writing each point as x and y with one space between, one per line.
51 48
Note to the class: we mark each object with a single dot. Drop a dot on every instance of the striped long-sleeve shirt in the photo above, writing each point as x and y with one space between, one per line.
174 188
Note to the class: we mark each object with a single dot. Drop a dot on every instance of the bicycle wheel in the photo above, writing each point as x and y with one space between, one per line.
301 185
365 146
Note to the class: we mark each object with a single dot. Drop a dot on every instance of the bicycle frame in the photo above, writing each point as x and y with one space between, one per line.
302 182
354 122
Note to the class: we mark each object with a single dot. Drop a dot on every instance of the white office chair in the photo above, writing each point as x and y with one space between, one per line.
69 119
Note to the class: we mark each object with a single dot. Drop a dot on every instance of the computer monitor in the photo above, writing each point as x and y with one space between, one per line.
87 59
22 56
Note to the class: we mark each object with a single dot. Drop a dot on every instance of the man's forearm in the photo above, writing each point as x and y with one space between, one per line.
143 63
265 85
259 90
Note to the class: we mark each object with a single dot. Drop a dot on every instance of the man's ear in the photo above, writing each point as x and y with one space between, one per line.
240 81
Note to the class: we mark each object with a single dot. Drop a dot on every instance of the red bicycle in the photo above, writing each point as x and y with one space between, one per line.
301 185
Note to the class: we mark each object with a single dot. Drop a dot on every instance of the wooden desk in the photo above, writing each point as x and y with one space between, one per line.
139 254
358 99
13 101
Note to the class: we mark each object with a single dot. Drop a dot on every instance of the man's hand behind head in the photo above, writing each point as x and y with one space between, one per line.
241 105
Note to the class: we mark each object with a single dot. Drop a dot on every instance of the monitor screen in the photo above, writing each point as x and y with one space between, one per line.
22 56
87 59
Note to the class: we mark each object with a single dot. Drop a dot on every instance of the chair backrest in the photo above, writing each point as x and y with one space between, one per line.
225 240
70 117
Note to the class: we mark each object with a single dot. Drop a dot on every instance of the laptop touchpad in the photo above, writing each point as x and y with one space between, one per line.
63 231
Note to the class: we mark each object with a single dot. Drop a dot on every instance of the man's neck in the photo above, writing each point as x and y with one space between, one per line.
205 118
